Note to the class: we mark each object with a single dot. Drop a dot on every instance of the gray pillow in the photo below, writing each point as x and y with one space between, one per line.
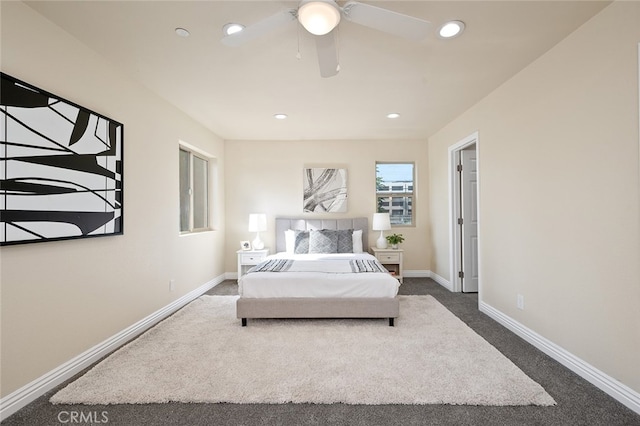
301 245
345 240
323 241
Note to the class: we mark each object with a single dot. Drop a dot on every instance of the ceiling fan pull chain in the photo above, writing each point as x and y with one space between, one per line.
338 49
298 55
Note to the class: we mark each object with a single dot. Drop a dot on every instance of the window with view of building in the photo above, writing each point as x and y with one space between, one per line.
194 191
394 191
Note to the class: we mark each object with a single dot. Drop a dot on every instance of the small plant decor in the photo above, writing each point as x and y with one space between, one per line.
395 239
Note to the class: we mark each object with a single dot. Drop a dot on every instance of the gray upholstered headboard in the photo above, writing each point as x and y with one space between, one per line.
302 224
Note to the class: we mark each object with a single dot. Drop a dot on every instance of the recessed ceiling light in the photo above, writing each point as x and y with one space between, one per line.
451 29
232 28
182 32
280 116
393 115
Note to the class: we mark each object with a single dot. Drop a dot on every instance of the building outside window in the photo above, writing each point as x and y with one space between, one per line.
194 191
394 191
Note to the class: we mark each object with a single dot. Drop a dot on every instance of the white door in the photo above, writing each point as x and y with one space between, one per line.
469 196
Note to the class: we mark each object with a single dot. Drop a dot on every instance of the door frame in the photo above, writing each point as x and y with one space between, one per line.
455 244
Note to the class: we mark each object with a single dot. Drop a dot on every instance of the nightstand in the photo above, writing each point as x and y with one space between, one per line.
391 259
249 258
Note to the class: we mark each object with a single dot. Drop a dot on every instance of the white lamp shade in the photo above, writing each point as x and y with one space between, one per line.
257 222
319 17
381 222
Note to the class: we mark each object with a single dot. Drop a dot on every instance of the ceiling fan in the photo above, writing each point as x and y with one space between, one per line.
321 17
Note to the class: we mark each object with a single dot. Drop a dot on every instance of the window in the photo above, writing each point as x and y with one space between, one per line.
194 191
394 192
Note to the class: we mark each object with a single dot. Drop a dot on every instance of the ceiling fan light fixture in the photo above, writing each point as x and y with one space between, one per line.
451 29
319 17
232 28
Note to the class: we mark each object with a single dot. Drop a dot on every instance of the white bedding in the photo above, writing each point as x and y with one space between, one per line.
318 284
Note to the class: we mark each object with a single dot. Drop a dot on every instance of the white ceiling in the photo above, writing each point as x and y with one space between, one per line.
235 91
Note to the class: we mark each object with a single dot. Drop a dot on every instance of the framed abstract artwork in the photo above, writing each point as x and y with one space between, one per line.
61 168
325 190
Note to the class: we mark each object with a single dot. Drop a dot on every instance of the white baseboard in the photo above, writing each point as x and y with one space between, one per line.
442 281
611 386
30 392
416 273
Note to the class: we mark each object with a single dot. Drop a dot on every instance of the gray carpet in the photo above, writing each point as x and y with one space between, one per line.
578 402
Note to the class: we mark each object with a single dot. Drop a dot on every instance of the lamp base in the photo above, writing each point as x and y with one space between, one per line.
381 242
257 243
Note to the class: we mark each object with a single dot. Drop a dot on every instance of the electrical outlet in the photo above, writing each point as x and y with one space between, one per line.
520 302
172 285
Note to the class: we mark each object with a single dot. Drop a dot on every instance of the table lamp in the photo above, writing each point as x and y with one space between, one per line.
257 223
381 222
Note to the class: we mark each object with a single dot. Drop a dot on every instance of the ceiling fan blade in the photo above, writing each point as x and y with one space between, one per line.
327 54
260 28
386 20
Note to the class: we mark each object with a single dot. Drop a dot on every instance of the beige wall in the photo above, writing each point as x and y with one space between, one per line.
266 177
61 298
559 200
559 194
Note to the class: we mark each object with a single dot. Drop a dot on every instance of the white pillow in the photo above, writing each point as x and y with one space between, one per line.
357 241
290 241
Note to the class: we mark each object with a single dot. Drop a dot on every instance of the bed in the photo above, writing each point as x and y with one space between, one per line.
301 290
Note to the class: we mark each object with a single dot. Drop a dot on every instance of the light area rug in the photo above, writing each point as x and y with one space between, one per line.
201 354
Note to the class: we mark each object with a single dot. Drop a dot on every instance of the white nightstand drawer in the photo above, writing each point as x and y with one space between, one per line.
252 259
388 257
391 259
247 259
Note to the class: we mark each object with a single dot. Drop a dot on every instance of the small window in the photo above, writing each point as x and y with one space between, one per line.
194 192
394 192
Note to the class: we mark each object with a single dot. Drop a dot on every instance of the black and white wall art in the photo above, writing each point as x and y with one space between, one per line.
325 190
60 169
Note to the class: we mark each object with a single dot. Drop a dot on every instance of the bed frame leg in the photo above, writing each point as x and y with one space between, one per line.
244 322
391 322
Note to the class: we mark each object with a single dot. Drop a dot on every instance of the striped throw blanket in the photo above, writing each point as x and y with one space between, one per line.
333 266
